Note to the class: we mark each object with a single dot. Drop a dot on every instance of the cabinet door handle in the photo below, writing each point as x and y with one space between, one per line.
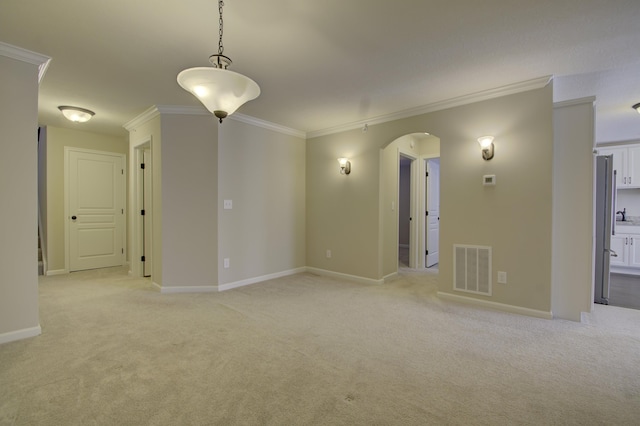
625 179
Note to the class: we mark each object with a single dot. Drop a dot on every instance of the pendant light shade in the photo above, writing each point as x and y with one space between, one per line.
221 91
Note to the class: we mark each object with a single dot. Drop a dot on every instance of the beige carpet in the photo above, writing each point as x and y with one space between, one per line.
309 350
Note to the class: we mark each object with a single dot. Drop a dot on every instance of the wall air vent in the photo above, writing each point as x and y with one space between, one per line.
472 269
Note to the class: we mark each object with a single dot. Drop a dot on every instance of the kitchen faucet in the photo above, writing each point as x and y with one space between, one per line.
623 213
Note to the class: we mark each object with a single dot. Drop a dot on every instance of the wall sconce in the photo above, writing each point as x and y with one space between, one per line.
637 107
345 166
486 143
76 114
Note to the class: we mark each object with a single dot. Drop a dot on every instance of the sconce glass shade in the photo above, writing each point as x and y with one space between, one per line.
76 114
221 91
486 143
345 165
637 107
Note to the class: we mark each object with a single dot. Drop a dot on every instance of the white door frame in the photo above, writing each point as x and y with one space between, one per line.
137 224
413 209
123 192
423 206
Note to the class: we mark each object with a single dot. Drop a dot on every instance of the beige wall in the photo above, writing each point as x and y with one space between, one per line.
514 217
18 209
263 173
573 209
57 139
189 200
342 210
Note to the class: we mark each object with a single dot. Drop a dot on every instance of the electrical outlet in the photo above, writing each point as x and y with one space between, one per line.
328 254
228 204
502 277
227 262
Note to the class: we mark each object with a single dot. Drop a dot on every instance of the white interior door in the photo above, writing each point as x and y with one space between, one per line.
433 212
95 194
146 218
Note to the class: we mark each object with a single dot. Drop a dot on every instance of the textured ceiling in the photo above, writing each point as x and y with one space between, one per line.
329 63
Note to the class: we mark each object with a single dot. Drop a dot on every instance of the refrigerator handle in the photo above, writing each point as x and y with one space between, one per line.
614 190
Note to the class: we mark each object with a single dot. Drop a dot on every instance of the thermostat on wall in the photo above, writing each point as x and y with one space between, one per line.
489 180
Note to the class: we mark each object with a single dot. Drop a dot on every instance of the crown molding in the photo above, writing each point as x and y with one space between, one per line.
484 95
157 110
268 125
24 55
139 120
182 110
571 102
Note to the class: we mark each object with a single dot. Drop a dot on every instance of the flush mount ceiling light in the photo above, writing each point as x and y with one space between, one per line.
76 114
637 107
221 91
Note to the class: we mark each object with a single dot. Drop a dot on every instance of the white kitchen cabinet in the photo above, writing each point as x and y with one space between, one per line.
620 248
634 251
627 249
626 163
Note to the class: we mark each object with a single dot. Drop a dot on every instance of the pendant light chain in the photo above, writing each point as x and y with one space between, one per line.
220 46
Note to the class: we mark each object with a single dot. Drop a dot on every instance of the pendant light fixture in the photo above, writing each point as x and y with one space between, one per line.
221 91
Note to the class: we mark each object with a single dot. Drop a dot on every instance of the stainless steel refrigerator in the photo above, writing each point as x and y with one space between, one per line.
605 225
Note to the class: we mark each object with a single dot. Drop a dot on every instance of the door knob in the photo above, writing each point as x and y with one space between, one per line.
73 218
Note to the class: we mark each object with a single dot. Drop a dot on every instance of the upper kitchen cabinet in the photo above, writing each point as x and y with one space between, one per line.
626 163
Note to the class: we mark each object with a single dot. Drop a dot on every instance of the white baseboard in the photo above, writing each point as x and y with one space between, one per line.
496 306
388 277
57 272
25 333
347 277
187 289
249 281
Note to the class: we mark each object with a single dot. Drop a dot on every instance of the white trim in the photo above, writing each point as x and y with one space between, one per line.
496 306
187 289
25 333
572 102
484 95
142 118
390 276
56 272
268 125
249 281
24 55
342 276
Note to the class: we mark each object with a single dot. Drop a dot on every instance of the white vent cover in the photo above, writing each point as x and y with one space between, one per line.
472 269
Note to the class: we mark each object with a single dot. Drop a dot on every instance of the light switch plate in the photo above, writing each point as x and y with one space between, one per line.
502 277
228 204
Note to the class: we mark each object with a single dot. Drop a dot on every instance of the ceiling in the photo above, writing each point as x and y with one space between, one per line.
322 64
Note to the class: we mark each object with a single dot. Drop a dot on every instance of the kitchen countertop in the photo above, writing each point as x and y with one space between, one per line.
629 221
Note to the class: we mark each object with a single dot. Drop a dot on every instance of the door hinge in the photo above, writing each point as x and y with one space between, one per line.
142 165
122 250
142 258
426 253
142 212
427 174
121 211
121 171
426 213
